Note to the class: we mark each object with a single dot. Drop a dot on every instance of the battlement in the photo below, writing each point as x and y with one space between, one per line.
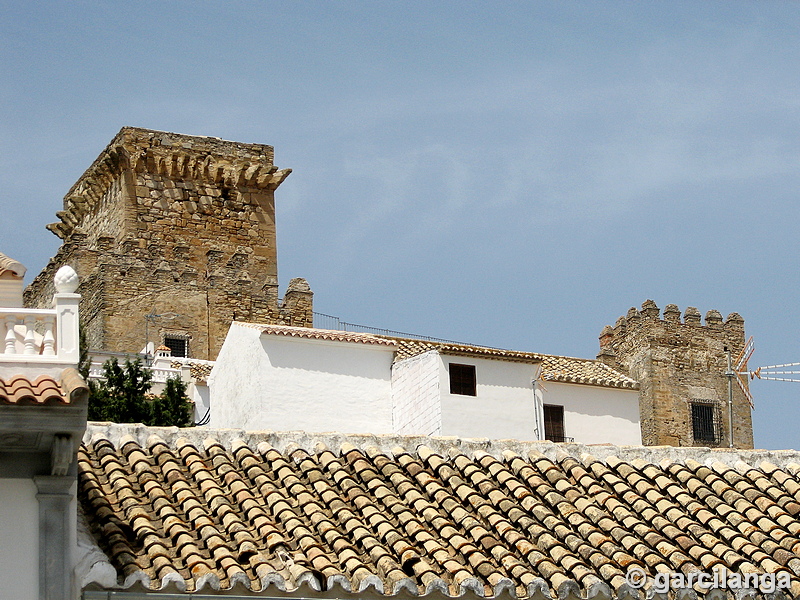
650 319
680 361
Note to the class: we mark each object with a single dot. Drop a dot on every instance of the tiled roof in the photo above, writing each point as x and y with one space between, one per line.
585 371
409 347
8 264
44 389
203 510
198 369
563 369
322 334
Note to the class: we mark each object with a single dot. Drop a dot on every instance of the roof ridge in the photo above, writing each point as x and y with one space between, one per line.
14 266
320 334
389 443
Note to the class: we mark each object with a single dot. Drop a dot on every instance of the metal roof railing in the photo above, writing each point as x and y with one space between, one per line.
324 321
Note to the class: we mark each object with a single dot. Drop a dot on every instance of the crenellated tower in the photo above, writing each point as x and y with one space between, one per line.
680 365
173 237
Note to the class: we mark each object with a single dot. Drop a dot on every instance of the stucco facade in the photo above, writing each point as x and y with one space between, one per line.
289 378
502 407
593 414
43 408
19 521
266 381
416 395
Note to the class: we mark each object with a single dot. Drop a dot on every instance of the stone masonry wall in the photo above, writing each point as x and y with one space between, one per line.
181 228
677 363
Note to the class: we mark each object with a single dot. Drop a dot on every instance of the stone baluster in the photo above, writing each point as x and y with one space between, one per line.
11 336
49 341
30 337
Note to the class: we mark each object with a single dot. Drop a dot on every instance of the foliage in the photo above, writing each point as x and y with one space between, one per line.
84 360
172 407
122 397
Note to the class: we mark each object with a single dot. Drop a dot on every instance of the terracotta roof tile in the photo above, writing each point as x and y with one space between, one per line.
321 334
198 369
584 371
363 512
9 265
44 389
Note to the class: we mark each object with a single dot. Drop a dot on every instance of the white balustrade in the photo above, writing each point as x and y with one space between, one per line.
49 340
30 338
161 375
10 336
28 331
44 335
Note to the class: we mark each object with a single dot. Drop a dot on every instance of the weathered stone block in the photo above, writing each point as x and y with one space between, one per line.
195 199
680 365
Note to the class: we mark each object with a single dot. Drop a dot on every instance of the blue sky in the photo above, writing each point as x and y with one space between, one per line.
515 174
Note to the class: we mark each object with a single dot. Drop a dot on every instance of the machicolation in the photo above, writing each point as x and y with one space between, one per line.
173 237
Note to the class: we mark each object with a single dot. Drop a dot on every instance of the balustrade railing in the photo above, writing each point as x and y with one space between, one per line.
29 331
40 334
160 375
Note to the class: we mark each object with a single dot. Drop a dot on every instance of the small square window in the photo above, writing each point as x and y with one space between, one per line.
178 345
554 423
462 380
704 423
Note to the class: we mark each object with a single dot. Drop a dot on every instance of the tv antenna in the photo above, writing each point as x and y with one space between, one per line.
738 370
768 372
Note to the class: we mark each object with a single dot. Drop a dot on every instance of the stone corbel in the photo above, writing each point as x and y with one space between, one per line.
61 455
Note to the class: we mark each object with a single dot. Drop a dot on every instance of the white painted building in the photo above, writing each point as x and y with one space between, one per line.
272 377
593 414
284 378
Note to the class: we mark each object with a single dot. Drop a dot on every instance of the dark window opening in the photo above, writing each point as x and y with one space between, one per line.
705 428
178 345
462 380
554 423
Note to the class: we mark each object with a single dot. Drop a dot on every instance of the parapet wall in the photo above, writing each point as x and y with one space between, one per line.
211 164
638 326
679 362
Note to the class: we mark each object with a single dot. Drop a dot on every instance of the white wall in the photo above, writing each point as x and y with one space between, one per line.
503 407
200 395
10 291
19 539
594 414
416 405
265 381
285 383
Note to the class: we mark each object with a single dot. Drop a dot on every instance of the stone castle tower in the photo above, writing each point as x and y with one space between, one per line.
681 365
173 237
